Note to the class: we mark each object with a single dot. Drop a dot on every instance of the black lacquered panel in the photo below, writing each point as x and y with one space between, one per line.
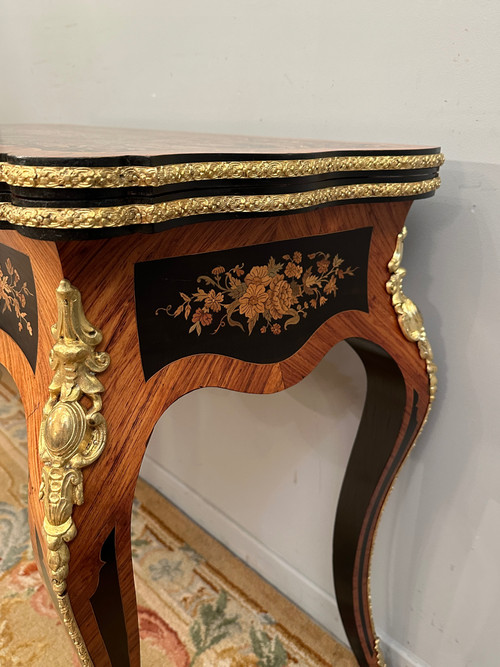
108 597
257 303
18 305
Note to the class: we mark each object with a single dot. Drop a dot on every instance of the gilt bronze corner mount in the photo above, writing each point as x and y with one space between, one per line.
72 437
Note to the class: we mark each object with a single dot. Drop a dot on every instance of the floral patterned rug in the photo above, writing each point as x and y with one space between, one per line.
199 606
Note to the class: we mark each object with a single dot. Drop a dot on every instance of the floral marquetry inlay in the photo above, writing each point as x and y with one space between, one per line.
14 293
257 303
270 297
18 303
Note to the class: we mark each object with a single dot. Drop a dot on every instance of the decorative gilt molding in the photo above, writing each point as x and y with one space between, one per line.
71 437
409 317
73 630
378 652
147 214
27 176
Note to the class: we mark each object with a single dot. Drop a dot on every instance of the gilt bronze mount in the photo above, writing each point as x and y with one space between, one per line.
71 437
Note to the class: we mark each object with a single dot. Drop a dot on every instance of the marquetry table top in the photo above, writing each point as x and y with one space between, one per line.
63 181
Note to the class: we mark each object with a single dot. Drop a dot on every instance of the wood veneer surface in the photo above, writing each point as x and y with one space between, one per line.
22 143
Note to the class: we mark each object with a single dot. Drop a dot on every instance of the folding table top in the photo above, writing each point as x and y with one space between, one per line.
63 181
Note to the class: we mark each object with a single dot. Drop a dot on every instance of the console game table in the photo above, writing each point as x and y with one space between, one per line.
137 266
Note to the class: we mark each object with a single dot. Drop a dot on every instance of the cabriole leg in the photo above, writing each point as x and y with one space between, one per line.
401 385
73 436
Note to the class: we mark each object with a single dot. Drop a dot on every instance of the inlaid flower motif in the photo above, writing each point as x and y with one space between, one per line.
276 295
293 270
323 265
252 302
258 275
201 318
214 301
280 297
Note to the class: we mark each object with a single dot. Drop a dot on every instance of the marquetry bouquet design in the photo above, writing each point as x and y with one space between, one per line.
271 297
13 295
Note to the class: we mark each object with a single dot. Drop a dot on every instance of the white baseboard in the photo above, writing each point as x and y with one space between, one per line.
397 655
319 604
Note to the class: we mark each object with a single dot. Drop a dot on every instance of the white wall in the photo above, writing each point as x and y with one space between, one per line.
419 72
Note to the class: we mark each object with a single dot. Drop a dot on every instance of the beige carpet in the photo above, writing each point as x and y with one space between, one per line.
199 606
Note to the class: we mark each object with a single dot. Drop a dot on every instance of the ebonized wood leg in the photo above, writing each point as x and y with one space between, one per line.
394 410
106 611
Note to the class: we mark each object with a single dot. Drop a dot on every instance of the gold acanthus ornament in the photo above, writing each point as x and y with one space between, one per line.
71 437
409 317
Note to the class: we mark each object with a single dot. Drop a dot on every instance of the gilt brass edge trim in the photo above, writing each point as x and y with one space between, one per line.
378 652
71 625
28 176
72 436
147 214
